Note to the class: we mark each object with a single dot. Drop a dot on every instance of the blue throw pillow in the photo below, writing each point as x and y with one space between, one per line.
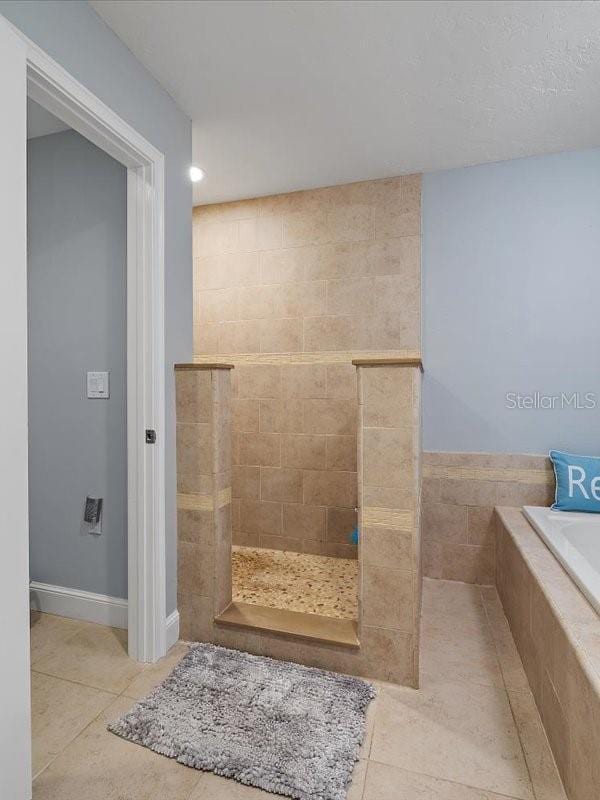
577 482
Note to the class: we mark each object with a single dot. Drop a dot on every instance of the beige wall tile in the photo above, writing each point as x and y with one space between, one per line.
385 547
245 414
193 396
351 296
258 516
260 449
195 527
480 525
304 380
281 484
468 563
523 494
445 523
246 482
330 416
341 453
194 448
304 521
305 227
239 337
216 305
206 339
304 451
333 333
393 293
306 299
281 416
387 397
341 381
388 497
212 238
341 523
280 336
263 233
468 492
258 302
195 569
387 457
387 598
350 223
336 260
258 380
282 266
330 488
401 220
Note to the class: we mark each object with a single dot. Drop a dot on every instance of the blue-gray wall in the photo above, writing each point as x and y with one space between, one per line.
77 307
511 292
74 35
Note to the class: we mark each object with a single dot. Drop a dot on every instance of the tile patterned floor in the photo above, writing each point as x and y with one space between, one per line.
296 581
471 732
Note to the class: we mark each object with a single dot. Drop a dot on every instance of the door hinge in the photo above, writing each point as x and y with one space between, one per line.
150 436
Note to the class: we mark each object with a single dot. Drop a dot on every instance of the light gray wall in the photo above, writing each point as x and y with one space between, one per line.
511 288
74 35
77 306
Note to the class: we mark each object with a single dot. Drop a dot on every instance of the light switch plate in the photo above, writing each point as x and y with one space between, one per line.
98 386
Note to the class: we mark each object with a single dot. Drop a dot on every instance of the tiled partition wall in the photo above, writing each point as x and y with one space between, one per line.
290 289
384 643
460 491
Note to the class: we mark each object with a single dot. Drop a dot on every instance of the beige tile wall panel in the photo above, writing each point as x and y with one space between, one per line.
291 289
459 493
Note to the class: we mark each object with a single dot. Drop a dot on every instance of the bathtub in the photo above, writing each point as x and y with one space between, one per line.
575 541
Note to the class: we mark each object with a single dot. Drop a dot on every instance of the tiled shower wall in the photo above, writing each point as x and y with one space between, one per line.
459 492
290 289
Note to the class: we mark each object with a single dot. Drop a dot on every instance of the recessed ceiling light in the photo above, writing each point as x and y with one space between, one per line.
196 174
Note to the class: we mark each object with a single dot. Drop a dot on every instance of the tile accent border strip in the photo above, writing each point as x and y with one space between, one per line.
325 357
488 474
394 518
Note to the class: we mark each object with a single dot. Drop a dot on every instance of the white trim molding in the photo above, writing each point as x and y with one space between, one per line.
77 604
60 93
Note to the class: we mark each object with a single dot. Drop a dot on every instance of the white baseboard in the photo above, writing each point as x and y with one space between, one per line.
77 604
172 629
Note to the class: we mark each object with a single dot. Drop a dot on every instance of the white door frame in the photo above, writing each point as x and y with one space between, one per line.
56 90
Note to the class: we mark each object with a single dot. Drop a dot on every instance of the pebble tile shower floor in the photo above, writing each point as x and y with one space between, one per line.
296 581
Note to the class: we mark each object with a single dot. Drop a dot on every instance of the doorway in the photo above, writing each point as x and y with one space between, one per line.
26 71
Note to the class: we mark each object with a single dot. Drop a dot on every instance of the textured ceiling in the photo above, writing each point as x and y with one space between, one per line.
293 95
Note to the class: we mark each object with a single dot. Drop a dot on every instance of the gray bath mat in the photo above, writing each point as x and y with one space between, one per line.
282 727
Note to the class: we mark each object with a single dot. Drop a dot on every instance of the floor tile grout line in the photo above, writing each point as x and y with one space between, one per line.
447 780
512 713
78 683
85 727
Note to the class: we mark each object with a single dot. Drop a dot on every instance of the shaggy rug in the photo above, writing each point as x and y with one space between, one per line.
281 727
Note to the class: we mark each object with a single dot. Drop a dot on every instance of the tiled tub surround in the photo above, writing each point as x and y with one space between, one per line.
290 289
460 491
384 643
557 634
